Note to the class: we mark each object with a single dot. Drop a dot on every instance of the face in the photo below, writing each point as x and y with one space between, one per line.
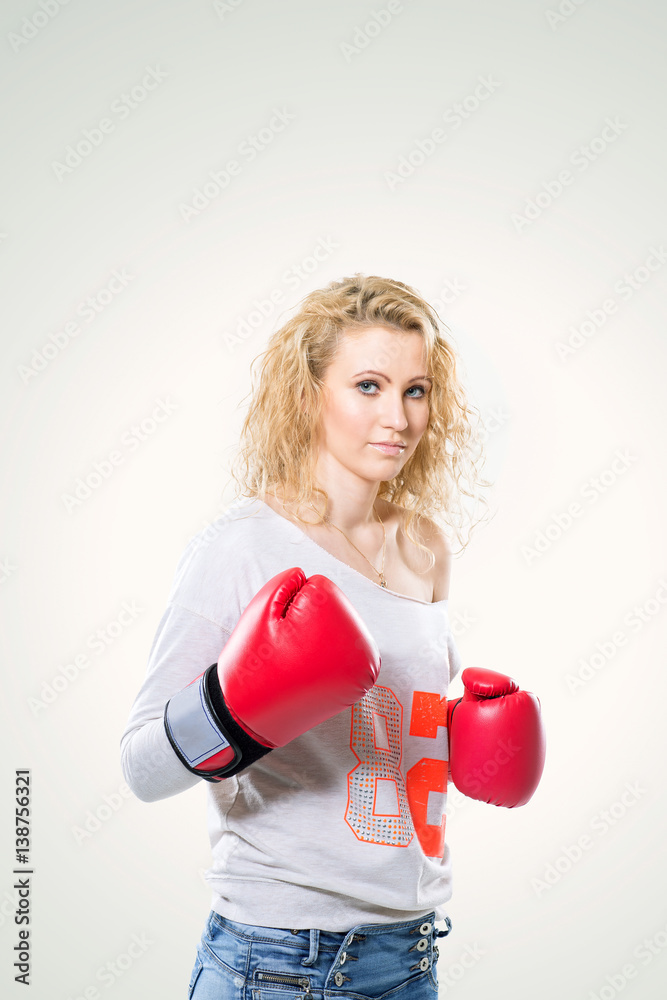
376 404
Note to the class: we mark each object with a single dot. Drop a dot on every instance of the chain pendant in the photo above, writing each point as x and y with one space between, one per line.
325 518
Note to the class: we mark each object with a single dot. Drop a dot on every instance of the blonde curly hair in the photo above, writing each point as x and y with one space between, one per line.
279 430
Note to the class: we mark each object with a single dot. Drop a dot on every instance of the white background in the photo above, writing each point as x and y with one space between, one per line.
364 99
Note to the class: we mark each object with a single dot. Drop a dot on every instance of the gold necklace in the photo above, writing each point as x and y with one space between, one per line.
383 582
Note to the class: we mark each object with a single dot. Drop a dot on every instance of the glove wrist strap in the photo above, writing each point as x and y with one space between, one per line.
200 728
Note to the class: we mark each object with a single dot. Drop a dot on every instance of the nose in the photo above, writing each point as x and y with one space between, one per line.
394 412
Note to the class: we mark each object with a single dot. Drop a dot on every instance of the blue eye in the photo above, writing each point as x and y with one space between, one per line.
371 382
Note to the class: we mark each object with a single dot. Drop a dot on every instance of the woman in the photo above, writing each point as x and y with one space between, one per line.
330 866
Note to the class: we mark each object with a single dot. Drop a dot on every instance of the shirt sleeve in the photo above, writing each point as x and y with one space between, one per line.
454 670
453 656
185 644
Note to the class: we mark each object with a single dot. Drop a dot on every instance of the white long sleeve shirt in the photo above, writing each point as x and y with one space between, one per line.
345 824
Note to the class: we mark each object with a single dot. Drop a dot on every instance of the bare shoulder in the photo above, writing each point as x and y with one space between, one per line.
438 541
431 535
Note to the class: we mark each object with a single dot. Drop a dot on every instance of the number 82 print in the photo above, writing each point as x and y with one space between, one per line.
382 807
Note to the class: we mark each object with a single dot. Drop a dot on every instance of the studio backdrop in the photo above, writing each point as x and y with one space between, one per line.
176 177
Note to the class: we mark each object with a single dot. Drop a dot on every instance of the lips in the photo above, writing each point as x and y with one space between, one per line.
388 449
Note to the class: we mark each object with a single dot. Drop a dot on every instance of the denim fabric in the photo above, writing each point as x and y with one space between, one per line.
242 962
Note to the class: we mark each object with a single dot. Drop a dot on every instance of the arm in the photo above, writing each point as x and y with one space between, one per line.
299 654
184 644
439 543
496 739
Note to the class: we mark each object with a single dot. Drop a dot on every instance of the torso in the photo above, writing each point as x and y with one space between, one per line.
406 567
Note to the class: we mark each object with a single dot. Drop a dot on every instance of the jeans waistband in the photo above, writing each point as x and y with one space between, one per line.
319 940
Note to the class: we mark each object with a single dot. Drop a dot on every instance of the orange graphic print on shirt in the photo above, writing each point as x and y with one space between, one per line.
382 806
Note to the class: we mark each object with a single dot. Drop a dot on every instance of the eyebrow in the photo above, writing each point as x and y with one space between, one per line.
369 371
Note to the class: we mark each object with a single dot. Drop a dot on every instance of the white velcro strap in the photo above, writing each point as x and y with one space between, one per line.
191 725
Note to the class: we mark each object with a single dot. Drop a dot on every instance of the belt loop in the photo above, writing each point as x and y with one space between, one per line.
314 947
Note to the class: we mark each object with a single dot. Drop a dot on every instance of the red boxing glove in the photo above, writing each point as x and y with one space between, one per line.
300 654
496 739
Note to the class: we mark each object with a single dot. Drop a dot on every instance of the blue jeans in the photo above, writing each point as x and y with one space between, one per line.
243 962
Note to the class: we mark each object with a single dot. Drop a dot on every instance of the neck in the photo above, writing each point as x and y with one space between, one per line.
350 509
350 498
348 513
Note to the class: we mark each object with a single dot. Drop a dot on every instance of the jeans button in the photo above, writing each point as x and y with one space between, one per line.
343 958
339 979
422 944
423 965
425 929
